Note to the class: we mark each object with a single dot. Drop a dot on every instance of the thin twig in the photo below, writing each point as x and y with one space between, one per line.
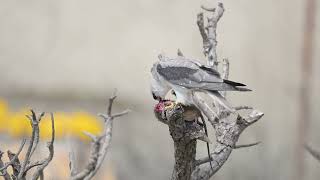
99 147
313 152
94 155
111 99
34 136
3 172
39 171
180 53
121 113
72 163
209 158
246 145
15 165
227 134
15 156
37 137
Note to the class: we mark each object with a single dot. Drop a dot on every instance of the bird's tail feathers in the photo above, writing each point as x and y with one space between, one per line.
242 89
216 96
233 83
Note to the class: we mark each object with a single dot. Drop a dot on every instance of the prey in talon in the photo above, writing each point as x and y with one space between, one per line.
168 104
161 108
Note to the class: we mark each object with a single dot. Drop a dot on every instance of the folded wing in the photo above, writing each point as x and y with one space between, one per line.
192 75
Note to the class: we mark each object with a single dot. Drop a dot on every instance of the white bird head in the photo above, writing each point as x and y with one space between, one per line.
159 89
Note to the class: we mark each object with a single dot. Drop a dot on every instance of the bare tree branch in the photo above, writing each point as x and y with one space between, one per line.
208 33
37 137
111 99
246 145
203 33
225 73
99 147
44 163
180 53
72 164
15 164
227 134
14 157
20 170
93 158
32 143
3 171
313 152
121 113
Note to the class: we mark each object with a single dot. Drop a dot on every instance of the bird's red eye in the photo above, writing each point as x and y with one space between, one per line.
154 96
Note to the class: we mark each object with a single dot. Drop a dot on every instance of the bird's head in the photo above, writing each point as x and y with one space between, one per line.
158 89
156 96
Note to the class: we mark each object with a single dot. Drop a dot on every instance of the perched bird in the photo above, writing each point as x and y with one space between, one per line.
185 76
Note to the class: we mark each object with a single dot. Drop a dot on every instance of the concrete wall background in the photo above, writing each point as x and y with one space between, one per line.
56 52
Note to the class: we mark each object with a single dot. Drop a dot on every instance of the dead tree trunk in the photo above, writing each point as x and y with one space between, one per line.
184 135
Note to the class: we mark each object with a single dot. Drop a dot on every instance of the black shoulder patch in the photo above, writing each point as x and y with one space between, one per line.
175 73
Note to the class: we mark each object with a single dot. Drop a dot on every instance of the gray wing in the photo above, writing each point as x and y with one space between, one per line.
193 75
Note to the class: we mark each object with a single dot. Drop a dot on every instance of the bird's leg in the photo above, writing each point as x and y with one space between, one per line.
206 131
200 123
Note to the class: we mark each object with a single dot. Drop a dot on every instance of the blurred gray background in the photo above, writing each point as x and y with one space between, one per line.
65 55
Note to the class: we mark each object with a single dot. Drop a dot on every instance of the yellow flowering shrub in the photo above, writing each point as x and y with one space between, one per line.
3 113
60 122
16 124
82 121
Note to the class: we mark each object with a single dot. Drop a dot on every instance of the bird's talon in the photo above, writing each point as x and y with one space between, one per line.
169 105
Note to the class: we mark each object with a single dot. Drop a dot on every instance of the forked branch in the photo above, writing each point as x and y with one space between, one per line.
99 146
20 169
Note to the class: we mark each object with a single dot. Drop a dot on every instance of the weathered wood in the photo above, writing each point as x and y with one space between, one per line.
184 134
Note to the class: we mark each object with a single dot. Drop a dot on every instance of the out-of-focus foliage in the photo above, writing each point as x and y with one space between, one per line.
16 124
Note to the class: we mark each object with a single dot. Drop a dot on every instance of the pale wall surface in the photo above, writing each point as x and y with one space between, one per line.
56 52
